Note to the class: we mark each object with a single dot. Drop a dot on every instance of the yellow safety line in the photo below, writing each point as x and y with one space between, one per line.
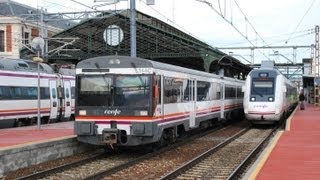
261 163
288 124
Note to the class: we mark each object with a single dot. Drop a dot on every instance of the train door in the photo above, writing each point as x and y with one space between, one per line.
222 99
192 102
162 96
67 98
53 99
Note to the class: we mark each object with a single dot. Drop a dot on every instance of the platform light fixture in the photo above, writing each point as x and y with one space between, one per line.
38 45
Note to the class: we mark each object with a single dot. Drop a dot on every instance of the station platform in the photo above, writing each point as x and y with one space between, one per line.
26 146
21 136
295 152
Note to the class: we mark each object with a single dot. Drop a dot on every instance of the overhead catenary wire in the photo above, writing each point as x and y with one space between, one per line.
300 21
232 24
298 34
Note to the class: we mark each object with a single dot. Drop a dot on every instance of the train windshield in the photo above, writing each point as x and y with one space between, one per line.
129 91
262 87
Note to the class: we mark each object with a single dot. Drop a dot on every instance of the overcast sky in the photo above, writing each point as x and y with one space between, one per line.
277 22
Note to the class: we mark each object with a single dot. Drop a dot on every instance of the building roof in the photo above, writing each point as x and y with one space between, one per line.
12 8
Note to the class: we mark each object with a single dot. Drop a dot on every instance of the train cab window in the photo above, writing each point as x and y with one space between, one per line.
260 88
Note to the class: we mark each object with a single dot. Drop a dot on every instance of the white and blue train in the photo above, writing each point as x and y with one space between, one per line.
127 101
268 95
19 93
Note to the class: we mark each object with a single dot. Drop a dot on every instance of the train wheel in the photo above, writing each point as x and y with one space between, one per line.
158 145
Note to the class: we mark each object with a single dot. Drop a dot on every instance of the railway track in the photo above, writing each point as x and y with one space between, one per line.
162 163
143 165
226 160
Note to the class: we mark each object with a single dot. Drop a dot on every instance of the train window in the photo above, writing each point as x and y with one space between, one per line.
218 91
73 90
203 90
132 90
1 93
53 92
67 93
173 89
189 84
32 93
16 92
157 82
96 84
28 92
22 65
239 92
44 93
2 44
230 92
262 87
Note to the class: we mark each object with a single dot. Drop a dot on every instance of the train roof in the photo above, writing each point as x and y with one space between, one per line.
272 70
134 62
23 65
266 70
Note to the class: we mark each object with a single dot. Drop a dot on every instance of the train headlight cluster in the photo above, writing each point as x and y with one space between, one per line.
270 99
114 61
82 112
253 99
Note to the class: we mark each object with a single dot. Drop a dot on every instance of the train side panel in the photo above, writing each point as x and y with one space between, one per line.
178 99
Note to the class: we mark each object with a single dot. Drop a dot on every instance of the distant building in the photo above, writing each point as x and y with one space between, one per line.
15 31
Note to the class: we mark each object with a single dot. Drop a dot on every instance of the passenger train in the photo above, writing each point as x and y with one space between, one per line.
125 101
268 95
19 93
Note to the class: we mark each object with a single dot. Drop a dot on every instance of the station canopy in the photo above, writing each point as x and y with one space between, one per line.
109 34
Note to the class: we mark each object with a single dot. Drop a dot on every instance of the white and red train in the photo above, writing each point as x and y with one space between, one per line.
128 101
268 95
19 93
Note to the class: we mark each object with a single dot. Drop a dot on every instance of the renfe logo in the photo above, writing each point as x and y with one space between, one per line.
112 112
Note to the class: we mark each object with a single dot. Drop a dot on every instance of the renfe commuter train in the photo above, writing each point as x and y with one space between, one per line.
19 93
126 101
268 95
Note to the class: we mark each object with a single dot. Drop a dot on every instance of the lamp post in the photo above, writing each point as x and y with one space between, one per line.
38 44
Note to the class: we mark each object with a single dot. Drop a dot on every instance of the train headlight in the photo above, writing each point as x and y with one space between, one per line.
143 113
82 112
114 61
253 99
140 113
270 99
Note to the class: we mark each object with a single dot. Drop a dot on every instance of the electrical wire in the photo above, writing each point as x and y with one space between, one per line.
231 23
169 20
300 21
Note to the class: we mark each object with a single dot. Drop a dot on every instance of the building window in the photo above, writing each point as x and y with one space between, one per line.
26 38
1 41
